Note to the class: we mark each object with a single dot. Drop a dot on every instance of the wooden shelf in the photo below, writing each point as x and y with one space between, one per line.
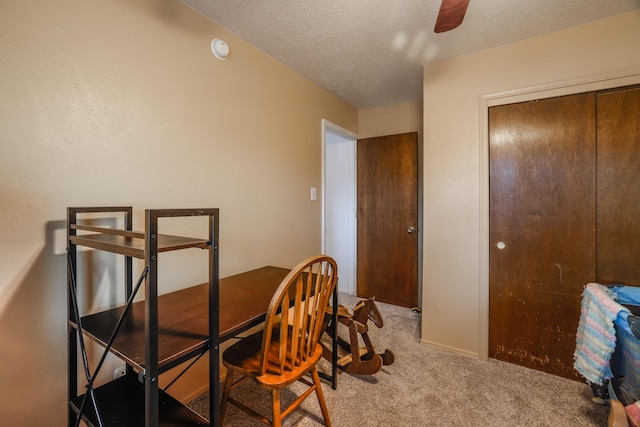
183 329
131 243
121 403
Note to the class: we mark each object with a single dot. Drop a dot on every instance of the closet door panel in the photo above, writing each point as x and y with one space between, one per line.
618 208
542 228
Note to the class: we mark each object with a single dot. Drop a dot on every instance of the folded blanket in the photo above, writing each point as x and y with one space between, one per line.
596 336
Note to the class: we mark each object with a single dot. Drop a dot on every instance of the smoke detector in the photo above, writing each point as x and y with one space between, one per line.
220 49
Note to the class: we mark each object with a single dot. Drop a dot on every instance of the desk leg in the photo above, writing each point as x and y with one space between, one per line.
334 344
214 384
334 362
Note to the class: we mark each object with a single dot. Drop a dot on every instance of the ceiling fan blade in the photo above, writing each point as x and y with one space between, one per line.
451 15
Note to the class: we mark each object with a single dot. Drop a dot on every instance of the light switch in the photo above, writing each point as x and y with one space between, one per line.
314 195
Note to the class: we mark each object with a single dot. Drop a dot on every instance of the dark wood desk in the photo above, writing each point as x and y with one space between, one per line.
244 299
243 303
183 319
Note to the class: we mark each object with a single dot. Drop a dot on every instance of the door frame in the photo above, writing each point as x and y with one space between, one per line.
487 100
348 268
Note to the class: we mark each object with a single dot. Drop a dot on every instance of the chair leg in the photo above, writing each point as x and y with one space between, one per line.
320 394
275 408
225 395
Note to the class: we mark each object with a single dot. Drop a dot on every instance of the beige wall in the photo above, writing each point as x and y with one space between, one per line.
390 120
456 95
122 103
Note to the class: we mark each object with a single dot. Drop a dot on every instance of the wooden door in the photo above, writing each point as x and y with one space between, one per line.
542 228
387 215
618 208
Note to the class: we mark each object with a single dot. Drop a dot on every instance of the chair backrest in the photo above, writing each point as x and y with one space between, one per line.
295 315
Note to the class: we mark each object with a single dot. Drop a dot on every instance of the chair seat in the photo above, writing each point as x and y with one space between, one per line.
244 357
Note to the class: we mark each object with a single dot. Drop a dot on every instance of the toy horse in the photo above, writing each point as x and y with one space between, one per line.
358 361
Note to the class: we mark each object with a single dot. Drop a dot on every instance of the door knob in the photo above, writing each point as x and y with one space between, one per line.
410 230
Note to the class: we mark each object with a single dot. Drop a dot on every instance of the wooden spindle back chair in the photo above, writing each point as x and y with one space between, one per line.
287 348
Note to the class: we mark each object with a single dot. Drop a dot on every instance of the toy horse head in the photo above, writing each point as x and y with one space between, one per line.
369 309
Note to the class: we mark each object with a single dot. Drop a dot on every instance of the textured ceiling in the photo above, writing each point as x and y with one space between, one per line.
371 52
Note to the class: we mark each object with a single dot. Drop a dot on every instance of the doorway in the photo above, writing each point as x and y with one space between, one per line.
339 202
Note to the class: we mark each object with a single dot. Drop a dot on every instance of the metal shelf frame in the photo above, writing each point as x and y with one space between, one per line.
146 246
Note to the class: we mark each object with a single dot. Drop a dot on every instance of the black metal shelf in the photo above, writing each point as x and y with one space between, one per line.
150 336
121 403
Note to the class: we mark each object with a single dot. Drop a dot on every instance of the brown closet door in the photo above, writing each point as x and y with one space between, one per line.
619 186
542 209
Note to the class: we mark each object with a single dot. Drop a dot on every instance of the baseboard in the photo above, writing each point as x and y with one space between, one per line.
185 398
199 391
454 349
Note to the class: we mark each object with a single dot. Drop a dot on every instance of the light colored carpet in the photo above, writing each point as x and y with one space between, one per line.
428 386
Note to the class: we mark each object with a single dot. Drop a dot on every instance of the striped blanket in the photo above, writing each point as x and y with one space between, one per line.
596 336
